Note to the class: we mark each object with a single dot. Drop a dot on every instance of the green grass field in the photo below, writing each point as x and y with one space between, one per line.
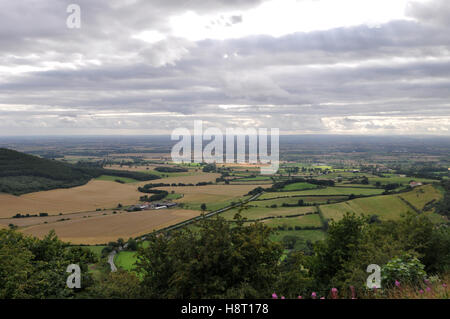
114 178
260 212
174 196
299 186
325 191
389 207
97 250
191 172
125 260
302 221
347 184
420 196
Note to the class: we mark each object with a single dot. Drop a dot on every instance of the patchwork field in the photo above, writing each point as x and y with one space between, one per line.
389 207
150 169
30 221
133 168
94 195
422 195
392 178
326 191
214 196
102 229
187 179
262 212
294 200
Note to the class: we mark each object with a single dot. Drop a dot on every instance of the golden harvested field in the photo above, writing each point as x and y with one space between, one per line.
93 195
30 221
102 229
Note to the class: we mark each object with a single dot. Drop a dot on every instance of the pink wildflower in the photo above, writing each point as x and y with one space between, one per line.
428 289
274 296
444 285
282 297
397 283
421 291
334 293
313 295
322 297
300 297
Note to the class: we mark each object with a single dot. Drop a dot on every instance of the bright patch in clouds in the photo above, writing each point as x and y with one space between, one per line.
388 124
150 36
280 17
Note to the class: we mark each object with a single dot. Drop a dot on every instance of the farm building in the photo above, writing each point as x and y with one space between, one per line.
415 184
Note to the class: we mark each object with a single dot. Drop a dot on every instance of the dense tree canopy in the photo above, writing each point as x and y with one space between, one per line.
33 268
216 261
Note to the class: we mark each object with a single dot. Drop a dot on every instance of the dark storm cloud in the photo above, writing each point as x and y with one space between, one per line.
100 77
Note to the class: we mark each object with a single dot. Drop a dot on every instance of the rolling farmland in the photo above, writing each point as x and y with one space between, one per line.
102 229
96 194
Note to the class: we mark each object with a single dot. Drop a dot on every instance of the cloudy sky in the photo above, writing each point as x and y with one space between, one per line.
147 67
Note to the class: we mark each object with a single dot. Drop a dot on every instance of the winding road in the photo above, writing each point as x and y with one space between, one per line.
111 261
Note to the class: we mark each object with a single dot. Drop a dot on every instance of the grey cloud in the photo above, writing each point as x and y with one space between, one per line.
435 12
317 81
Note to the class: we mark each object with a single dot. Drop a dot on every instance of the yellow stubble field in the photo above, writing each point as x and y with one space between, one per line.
91 196
102 229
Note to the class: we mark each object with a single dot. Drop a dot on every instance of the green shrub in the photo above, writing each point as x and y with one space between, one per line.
404 269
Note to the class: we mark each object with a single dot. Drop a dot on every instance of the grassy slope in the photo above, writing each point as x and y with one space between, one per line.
388 207
420 196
